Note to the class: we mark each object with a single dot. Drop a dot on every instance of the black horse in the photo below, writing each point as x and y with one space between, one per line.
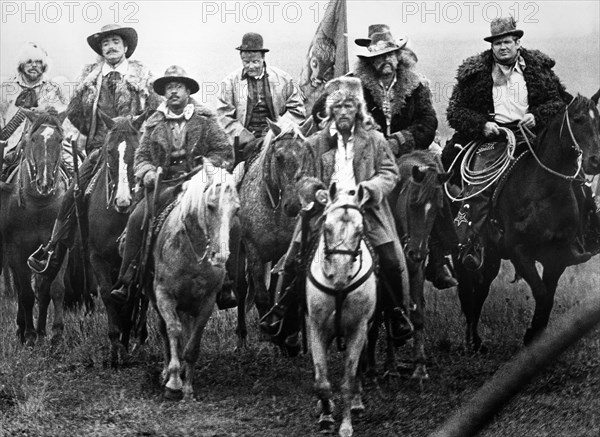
537 214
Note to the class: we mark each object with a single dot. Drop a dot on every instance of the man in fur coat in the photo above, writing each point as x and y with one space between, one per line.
505 86
255 92
117 86
178 135
400 102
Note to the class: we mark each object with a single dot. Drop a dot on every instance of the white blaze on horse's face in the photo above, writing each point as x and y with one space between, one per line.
46 134
123 197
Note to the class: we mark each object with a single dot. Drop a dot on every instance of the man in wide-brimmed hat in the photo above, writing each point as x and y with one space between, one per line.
30 88
255 92
177 137
115 85
400 102
504 86
349 152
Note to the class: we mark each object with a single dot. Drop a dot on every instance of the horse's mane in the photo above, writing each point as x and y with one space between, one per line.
46 118
429 187
194 189
286 128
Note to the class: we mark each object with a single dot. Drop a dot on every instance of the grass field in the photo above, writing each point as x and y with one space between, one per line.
70 390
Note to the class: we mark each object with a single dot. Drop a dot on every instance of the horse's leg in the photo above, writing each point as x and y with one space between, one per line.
350 385
168 311
43 285
373 334
318 348
57 293
418 319
192 348
241 289
22 279
257 271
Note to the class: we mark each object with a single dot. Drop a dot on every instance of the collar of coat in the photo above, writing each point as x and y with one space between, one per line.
407 80
137 75
359 134
483 62
199 110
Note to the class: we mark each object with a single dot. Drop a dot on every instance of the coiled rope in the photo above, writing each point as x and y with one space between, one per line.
489 175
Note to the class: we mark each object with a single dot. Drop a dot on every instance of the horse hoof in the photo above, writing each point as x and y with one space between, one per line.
326 424
357 408
346 431
173 395
420 375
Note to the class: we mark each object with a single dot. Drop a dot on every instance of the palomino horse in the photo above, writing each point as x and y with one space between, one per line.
538 214
189 264
29 207
109 202
341 296
416 202
268 204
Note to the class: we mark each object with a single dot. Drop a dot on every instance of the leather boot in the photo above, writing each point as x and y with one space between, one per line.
120 292
437 271
401 328
226 298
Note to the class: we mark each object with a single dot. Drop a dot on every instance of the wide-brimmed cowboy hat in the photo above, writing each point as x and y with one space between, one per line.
175 74
373 28
129 35
252 42
382 43
503 26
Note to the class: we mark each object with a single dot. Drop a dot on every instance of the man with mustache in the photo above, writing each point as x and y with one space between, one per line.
254 93
178 136
504 86
117 86
30 88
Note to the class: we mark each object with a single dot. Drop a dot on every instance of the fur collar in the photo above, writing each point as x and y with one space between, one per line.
137 75
199 109
407 80
483 61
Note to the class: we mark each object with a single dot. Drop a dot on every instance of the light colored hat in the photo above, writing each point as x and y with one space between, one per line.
503 26
382 43
344 87
175 74
129 35
33 51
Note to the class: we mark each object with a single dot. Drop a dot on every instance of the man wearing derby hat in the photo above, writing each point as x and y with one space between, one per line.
177 137
254 93
400 102
504 86
115 85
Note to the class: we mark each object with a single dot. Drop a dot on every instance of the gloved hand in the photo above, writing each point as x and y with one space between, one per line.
149 178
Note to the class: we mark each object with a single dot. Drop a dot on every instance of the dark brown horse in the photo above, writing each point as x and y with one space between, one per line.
110 200
29 206
268 202
538 214
416 202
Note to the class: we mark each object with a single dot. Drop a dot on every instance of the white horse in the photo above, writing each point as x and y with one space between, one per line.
341 296
189 256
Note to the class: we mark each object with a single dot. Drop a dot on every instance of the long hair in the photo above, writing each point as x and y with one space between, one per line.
363 117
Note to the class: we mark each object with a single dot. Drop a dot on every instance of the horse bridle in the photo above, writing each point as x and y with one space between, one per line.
32 169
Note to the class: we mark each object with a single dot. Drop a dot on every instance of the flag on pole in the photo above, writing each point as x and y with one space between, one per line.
327 55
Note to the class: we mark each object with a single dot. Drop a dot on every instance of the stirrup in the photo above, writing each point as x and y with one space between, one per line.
34 262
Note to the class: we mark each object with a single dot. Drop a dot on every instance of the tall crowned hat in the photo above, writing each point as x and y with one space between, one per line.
373 28
252 42
503 26
382 43
175 74
129 35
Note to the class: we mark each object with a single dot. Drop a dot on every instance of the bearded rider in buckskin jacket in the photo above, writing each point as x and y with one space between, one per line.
505 86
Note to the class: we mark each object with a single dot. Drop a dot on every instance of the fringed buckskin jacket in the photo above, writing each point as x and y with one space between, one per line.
133 94
472 102
203 137
413 115
374 167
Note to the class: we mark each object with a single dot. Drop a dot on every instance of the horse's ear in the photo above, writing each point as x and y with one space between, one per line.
61 116
308 127
109 122
362 196
138 121
417 174
274 127
444 177
595 97
332 191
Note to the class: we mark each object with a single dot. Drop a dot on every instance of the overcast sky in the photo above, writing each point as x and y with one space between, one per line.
201 36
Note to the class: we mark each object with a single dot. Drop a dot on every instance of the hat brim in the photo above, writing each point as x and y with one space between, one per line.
161 83
518 33
129 35
363 42
368 55
242 49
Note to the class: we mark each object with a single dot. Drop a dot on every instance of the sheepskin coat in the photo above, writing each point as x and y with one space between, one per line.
472 102
132 95
203 137
374 168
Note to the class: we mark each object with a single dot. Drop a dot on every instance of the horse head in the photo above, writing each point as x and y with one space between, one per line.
580 128
419 201
42 151
343 234
282 150
211 199
118 151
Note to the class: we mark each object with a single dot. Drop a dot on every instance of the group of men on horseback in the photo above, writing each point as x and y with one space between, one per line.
380 111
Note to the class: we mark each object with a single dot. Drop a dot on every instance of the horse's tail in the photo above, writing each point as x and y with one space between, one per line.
341 341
